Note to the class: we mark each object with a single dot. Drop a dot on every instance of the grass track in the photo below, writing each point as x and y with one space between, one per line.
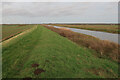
58 56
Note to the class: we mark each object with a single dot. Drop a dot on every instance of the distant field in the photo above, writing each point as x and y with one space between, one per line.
11 30
104 28
43 53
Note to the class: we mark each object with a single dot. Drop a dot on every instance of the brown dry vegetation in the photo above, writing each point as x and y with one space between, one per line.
104 28
103 47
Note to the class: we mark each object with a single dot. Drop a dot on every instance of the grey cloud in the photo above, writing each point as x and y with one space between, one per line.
59 12
43 9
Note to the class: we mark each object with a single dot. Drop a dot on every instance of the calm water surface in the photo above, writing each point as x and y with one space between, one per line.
101 35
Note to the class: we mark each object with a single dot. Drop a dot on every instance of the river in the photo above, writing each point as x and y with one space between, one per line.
101 35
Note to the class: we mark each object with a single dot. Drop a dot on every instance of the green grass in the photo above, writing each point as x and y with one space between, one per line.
9 30
58 56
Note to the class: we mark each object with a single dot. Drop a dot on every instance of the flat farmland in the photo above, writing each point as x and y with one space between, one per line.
9 31
100 27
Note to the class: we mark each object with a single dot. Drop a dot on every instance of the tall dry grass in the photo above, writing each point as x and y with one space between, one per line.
103 47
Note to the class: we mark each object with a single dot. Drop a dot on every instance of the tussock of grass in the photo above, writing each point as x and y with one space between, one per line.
104 47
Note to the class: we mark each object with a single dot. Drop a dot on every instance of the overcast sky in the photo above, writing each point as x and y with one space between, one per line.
80 12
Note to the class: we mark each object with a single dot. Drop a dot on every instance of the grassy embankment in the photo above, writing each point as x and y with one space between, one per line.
9 31
104 48
104 28
43 53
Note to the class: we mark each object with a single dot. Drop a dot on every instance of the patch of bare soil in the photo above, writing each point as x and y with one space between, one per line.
38 71
35 65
